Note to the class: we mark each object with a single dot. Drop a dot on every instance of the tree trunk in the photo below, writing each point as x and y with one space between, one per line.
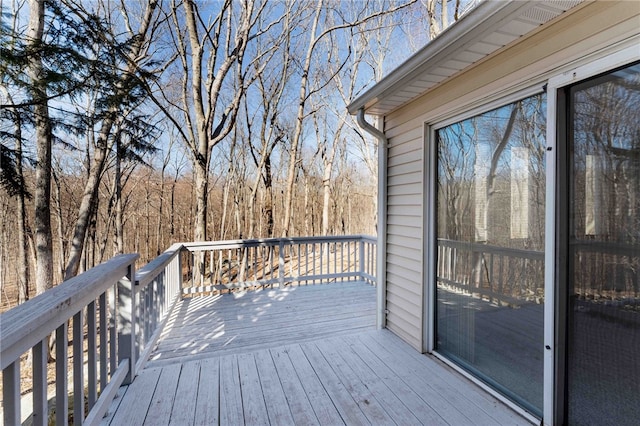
117 184
202 190
43 237
88 205
268 197
21 211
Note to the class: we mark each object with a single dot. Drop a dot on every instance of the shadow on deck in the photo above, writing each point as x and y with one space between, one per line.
297 355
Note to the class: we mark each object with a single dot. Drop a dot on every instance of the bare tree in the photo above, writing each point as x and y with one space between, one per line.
271 86
211 51
318 31
122 90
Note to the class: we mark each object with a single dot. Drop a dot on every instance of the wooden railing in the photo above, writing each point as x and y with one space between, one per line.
116 319
114 324
227 265
498 274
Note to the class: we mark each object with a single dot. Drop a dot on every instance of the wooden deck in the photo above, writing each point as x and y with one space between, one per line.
301 355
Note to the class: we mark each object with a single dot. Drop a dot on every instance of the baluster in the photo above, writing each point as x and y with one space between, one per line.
126 322
335 260
342 260
321 245
306 263
229 265
190 267
92 350
102 306
281 266
313 257
254 264
40 354
78 368
62 396
291 256
269 260
300 261
211 262
362 258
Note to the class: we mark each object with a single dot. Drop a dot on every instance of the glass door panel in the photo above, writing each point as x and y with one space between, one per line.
490 261
603 312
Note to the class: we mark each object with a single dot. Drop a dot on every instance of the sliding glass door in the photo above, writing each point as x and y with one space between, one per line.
490 177
603 261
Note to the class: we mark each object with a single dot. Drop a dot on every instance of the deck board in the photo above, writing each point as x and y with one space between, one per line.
297 399
208 395
159 412
323 370
360 392
253 402
277 407
184 405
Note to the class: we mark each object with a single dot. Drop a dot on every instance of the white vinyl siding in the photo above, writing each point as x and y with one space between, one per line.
404 237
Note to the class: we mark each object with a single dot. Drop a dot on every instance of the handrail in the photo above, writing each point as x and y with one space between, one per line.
28 326
223 244
216 266
151 270
126 321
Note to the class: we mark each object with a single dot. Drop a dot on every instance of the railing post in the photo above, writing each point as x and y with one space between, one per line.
127 322
362 257
281 267
11 387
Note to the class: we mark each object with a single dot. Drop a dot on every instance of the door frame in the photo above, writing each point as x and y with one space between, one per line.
556 272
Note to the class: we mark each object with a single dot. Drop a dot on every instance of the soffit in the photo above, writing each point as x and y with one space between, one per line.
486 29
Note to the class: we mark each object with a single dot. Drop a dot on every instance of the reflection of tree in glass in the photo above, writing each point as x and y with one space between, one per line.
475 172
491 192
605 176
606 137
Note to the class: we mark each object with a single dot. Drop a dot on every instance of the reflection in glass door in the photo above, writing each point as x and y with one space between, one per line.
603 312
490 236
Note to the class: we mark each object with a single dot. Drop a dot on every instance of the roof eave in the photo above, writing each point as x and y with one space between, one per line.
487 16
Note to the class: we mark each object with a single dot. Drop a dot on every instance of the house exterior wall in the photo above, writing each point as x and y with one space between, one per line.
404 289
552 49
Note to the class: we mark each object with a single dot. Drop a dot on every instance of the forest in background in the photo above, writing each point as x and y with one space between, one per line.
129 125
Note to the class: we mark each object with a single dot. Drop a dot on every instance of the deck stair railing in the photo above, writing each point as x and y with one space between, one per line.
114 315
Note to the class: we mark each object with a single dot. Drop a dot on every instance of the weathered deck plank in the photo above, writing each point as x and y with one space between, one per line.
297 399
361 394
208 398
253 402
277 407
349 411
231 410
159 412
133 410
362 376
185 402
